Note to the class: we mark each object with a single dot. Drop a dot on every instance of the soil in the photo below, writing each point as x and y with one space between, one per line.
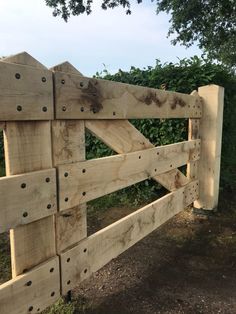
186 266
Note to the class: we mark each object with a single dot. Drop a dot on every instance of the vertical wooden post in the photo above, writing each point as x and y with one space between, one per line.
68 139
28 148
210 132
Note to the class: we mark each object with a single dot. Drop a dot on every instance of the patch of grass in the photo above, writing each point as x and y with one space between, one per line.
60 307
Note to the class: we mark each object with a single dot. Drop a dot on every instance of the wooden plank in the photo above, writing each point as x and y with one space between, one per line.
98 249
120 135
68 141
78 97
87 180
28 148
27 197
66 67
71 227
26 93
123 137
33 291
193 134
24 58
68 138
211 135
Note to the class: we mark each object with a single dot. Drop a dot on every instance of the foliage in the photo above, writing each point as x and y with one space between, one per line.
210 23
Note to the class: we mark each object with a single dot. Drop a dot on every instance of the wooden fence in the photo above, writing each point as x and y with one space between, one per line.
43 114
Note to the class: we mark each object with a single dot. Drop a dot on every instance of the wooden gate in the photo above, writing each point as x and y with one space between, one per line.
43 114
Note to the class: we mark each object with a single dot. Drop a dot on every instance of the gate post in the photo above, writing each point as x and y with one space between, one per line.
210 132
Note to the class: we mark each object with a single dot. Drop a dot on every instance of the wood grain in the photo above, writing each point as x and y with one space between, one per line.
68 138
210 132
33 291
98 249
26 93
123 137
78 97
26 198
87 180
28 148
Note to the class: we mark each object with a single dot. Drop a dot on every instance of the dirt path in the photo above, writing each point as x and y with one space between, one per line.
187 266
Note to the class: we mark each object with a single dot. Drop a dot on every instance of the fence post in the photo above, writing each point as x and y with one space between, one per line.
211 134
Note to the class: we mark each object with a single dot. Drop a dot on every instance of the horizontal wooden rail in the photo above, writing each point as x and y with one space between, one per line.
78 97
123 137
33 291
83 181
97 250
27 197
26 93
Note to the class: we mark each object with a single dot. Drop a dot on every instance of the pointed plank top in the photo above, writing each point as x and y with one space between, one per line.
66 67
25 59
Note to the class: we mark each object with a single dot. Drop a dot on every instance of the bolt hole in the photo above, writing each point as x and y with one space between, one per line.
84 193
171 166
17 76
44 79
49 206
155 170
139 157
158 153
66 174
52 294
19 108
38 309
47 180
84 170
82 109
81 84
29 283
85 250
68 260
25 214
62 81
114 113
51 270
45 109
66 199
31 308
85 271
23 185
64 108
68 282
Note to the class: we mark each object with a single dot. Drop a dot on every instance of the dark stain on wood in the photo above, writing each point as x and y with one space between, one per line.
152 97
91 96
177 101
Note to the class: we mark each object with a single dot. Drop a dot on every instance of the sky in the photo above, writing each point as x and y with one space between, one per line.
105 39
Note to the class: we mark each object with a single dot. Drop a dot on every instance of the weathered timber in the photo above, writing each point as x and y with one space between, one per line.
78 97
98 249
87 180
